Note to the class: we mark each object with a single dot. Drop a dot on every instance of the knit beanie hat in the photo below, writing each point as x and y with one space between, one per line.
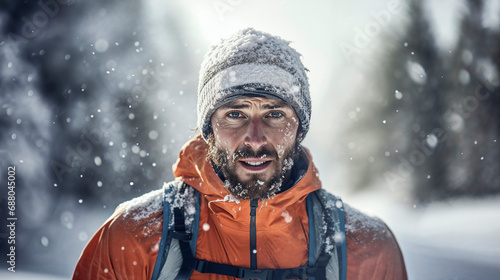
251 63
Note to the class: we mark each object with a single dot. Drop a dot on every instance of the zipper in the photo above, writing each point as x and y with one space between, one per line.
254 203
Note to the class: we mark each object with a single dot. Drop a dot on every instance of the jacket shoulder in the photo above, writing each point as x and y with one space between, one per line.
137 222
372 249
126 243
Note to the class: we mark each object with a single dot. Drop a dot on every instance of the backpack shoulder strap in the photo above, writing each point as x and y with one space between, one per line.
327 245
182 201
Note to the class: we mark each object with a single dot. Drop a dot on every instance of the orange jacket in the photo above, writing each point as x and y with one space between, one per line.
126 246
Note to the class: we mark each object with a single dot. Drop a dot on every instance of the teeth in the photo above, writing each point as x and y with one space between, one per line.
254 162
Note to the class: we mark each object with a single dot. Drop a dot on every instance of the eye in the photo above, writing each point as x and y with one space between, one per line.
235 115
276 114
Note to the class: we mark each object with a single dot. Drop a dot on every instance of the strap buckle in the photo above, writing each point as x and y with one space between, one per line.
260 274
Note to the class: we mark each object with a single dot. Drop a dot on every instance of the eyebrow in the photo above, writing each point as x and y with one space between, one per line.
273 106
234 105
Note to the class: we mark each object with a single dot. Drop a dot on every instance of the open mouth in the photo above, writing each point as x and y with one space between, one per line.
255 164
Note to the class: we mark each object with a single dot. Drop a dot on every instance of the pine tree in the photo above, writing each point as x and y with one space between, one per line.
474 114
415 101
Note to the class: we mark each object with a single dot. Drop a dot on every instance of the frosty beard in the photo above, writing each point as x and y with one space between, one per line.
255 187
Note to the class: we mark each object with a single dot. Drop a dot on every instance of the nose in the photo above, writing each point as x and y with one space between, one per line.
255 137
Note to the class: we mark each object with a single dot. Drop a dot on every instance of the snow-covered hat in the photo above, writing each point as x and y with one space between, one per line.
251 63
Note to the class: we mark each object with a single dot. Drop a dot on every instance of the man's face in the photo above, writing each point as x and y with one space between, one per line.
254 144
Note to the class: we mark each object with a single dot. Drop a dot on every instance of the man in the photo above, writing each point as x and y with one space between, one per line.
242 205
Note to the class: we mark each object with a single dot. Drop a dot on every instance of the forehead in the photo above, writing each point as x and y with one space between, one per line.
259 102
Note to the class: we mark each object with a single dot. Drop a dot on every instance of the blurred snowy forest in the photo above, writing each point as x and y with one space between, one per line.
97 97
439 111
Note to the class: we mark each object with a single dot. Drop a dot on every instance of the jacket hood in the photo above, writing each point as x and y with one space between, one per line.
195 169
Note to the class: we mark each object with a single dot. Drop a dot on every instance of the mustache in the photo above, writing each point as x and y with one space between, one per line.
247 152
